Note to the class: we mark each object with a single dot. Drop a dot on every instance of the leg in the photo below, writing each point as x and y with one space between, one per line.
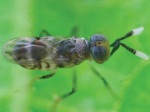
105 83
57 100
44 32
48 76
74 31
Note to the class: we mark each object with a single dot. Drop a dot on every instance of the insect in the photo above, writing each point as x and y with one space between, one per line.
52 52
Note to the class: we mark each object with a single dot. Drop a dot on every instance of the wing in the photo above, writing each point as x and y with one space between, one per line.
30 51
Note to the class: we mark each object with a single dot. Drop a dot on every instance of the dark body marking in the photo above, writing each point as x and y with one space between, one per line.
75 50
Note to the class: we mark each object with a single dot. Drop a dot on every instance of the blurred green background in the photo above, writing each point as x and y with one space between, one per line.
127 74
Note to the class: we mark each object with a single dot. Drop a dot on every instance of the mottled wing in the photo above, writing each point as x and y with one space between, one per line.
29 52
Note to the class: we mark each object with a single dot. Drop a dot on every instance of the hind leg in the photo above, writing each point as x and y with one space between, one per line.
58 99
48 76
44 32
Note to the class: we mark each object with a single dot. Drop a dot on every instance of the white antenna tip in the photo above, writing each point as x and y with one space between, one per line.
138 31
142 55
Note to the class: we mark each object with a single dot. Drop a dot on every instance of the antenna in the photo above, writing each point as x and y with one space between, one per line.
117 44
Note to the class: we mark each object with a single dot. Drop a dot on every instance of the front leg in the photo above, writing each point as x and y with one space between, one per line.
74 31
105 83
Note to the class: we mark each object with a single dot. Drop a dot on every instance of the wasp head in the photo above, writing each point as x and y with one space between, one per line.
99 48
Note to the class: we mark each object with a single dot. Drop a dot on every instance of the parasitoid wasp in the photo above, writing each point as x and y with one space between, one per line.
52 52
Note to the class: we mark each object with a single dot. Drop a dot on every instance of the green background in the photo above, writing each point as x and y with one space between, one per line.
127 74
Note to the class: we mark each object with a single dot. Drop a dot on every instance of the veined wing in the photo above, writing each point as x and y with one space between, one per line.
26 51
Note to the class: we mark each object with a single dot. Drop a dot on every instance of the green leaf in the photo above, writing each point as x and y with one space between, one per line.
137 97
20 92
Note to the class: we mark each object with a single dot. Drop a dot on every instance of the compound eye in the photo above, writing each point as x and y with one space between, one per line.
100 54
99 48
98 37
